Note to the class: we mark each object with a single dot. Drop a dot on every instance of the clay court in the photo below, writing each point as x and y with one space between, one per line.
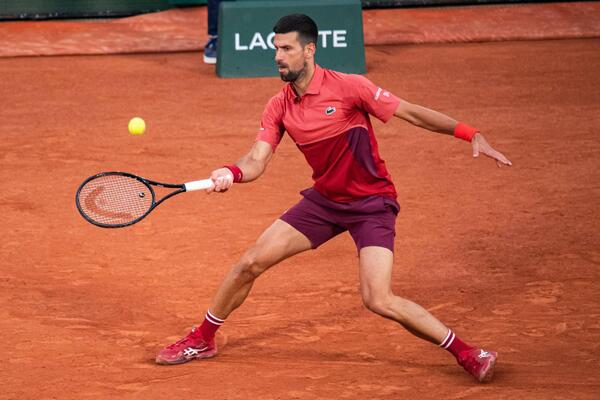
507 257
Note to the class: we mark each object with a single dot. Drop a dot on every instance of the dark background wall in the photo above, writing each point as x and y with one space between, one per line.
44 9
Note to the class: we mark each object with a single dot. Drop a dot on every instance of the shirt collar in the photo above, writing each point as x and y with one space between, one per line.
313 88
317 80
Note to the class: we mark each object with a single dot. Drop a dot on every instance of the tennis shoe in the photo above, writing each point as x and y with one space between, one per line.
191 347
479 363
210 50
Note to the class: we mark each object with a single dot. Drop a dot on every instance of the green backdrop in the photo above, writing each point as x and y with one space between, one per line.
39 9
246 33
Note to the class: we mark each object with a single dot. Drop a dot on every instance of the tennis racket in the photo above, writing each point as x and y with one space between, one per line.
119 199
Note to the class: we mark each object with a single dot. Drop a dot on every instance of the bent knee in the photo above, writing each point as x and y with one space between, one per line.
381 305
250 266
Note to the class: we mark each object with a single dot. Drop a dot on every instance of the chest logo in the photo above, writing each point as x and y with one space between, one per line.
330 110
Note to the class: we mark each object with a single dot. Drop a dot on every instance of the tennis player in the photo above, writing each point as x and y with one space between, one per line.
326 113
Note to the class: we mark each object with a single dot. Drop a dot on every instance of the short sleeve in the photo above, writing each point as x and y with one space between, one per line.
271 124
373 99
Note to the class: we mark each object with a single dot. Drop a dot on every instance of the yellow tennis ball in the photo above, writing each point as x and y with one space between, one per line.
137 126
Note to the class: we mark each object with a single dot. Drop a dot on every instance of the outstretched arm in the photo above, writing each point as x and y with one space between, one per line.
438 122
246 169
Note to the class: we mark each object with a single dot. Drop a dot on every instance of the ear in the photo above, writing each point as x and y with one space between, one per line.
309 50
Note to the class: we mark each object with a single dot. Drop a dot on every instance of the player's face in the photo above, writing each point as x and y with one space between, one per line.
290 56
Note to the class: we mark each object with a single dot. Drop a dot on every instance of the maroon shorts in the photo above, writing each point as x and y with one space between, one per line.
371 221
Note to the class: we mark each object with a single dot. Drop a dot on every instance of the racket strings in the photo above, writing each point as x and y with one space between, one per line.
115 199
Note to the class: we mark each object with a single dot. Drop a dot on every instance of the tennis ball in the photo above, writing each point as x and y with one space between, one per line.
137 126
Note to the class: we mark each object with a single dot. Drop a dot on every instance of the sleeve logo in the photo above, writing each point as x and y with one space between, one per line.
379 92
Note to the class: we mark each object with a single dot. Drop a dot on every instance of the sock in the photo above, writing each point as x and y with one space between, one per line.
454 345
210 325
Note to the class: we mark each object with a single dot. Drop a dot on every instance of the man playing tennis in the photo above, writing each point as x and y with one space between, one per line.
326 113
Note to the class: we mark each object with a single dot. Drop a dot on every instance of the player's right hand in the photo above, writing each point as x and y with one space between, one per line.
222 178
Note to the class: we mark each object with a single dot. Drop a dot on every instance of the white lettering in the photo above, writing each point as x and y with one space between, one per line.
270 40
323 35
258 40
339 39
237 43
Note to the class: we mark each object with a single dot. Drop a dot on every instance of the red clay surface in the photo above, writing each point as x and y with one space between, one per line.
507 257
185 29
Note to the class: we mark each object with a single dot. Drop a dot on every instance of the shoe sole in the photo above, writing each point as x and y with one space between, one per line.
208 354
488 373
210 60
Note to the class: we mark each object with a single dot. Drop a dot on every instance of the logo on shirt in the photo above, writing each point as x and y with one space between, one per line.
330 110
380 91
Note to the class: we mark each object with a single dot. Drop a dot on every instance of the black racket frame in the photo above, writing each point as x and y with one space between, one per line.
147 182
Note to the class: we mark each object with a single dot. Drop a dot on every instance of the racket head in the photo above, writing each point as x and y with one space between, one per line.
114 199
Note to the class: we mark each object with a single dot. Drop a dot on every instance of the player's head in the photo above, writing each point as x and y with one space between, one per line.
295 45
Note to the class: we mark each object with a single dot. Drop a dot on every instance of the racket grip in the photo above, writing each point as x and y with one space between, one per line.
198 185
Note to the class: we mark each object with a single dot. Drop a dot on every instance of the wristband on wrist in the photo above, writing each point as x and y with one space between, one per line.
236 171
465 132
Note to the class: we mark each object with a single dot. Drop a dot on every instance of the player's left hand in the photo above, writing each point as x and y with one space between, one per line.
480 145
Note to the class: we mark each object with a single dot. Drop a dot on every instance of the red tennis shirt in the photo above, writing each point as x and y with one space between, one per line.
330 124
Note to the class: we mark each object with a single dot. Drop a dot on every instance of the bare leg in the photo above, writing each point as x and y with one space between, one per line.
375 283
278 242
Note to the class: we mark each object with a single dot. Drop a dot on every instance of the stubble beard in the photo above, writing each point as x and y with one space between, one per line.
292 76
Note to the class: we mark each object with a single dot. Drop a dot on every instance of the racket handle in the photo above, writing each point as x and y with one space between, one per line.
198 185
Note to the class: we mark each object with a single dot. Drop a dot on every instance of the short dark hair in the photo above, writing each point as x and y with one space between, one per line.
303 24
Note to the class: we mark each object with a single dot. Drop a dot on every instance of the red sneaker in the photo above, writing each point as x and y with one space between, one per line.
190 347
479 363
